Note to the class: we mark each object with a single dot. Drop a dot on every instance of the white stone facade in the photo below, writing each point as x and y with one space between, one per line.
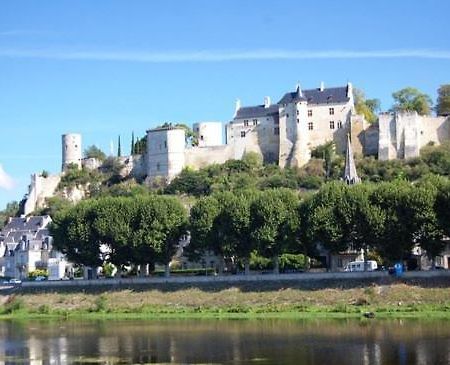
208 133
71 150
39 189
165 152
402 135
25 245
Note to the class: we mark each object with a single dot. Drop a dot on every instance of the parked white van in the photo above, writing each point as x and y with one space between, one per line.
371 265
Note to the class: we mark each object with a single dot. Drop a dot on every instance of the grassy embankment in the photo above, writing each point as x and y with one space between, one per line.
257 300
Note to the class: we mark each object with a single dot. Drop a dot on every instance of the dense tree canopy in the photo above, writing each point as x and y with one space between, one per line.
11 210
121 230
443 100
411 99
367 107
94 152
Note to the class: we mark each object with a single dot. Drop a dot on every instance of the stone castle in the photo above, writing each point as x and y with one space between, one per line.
283 133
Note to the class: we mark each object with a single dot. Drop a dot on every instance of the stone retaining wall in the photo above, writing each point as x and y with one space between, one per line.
334 278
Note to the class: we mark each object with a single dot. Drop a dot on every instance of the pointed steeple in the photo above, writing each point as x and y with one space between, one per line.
298 90
350 174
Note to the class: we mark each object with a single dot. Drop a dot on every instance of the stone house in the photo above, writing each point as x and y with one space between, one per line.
26 245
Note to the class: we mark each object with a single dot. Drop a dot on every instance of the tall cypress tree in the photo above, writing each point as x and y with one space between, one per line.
132 144
119 152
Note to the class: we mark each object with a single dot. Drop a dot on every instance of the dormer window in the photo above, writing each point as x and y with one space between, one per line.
246 123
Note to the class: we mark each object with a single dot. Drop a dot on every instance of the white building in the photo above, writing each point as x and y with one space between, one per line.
25 245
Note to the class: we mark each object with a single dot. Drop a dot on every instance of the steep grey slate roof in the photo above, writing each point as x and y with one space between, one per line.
32 224
256 111
332 95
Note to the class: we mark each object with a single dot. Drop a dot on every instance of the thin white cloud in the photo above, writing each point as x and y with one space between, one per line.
6 182
220 55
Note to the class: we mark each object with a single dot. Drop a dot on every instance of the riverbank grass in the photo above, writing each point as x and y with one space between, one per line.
384 301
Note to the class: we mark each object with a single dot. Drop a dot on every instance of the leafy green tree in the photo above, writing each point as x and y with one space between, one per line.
409 218
366 107
54 204
274 223
132 152
443 100
191 182
411 99
327 152
253 160
168 223
94 152
12 209
437 158
190 135
202 217
341 217
233 225
140 146
112 229
442 207
74 235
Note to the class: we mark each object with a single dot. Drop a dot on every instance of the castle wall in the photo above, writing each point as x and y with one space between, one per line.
409 145
401 135
435 129
91 163
40 189
371 135
139 168
357 133
386 137
199 157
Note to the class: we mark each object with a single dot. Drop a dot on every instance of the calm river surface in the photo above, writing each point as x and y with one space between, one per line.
226 342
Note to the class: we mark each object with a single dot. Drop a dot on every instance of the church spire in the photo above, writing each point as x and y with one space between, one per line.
350 174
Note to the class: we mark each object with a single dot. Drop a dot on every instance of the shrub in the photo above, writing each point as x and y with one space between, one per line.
13 304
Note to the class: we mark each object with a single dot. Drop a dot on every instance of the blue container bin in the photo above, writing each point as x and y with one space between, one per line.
398 267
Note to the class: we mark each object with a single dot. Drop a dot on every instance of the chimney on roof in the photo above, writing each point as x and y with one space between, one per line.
299 90
322 86
349 90
266 101
237 107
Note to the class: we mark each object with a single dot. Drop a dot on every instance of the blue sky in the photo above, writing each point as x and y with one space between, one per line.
104 68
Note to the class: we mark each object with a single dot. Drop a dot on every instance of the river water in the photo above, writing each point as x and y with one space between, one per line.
262 342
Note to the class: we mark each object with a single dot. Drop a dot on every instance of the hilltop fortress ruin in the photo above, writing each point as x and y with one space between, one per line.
283 133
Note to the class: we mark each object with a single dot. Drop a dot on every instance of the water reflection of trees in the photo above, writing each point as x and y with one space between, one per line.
206 341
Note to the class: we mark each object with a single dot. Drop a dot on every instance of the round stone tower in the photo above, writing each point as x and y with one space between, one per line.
165 152
71 150
208 133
